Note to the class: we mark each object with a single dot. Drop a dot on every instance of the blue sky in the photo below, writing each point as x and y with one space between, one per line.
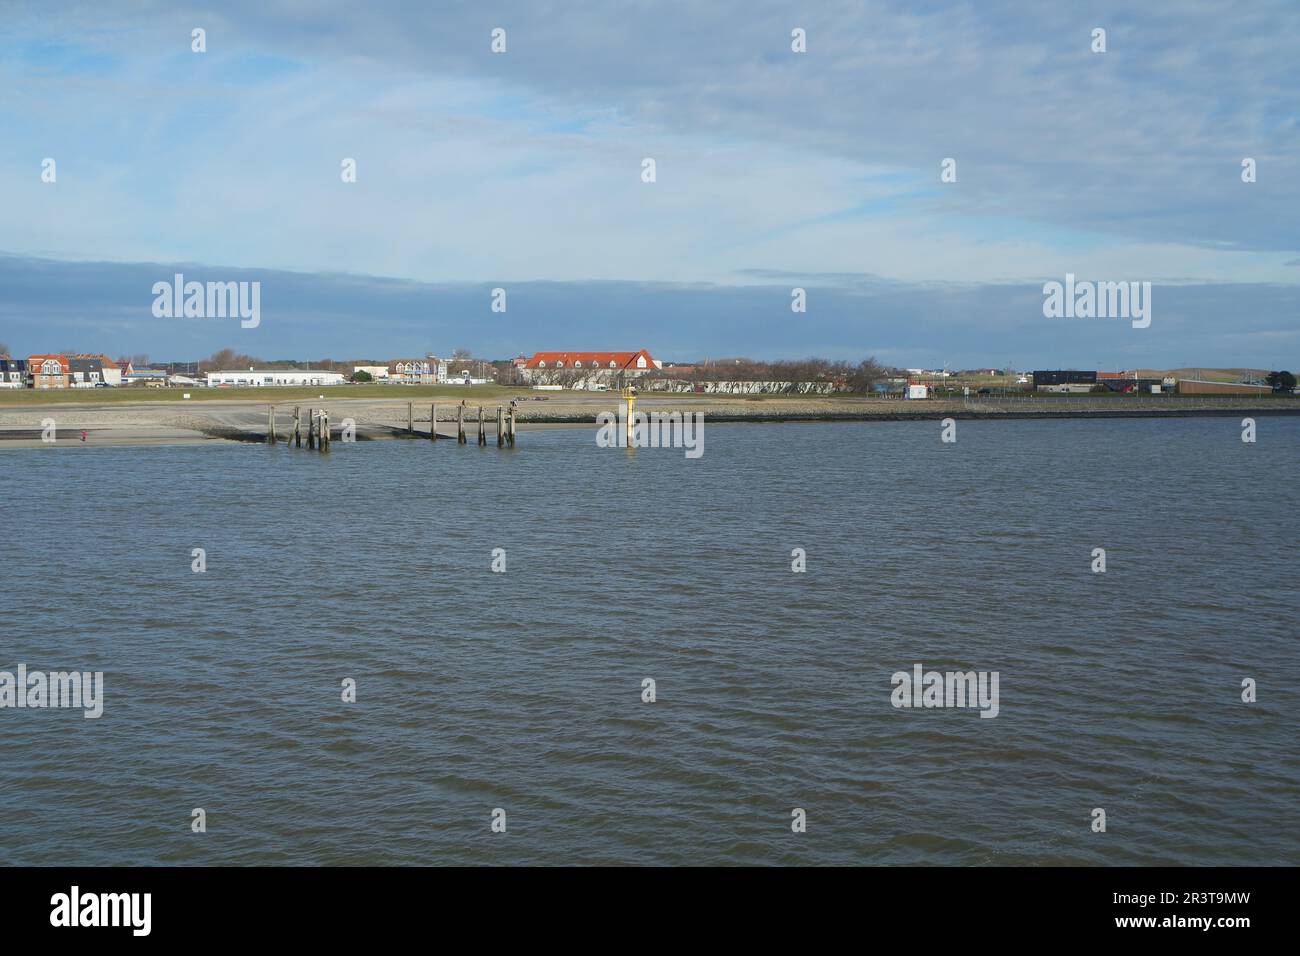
775 169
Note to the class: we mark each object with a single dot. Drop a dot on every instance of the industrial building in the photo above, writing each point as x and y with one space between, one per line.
1192 386
1046 377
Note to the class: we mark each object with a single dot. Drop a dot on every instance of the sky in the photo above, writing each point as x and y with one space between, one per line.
774 170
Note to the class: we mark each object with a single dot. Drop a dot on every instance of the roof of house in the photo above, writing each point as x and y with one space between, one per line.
36 361
617 360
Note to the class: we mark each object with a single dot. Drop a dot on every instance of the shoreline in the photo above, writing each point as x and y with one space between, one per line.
145 425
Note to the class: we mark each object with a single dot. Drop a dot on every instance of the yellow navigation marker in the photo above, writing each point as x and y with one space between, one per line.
629 393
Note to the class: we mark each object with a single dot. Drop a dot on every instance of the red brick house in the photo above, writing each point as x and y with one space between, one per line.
49 371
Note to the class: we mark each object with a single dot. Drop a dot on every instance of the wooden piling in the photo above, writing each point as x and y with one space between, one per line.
324 430
297 426
410 418
311 428
512 428
460 424
433 422
482 435
270 426
501 426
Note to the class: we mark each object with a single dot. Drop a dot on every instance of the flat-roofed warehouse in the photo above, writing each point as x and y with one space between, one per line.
259 377
1063 377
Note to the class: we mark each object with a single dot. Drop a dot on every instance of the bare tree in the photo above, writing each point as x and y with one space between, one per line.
227 359
867 373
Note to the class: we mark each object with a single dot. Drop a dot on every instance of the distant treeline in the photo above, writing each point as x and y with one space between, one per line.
229 359
847 376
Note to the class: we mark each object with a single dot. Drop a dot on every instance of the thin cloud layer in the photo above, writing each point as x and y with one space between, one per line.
106 306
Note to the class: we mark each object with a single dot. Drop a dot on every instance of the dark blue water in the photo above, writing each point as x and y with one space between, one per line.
522 690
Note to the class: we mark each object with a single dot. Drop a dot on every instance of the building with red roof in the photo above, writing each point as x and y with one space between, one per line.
544 366
49 371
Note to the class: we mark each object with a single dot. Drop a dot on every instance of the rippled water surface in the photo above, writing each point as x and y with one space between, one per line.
522 690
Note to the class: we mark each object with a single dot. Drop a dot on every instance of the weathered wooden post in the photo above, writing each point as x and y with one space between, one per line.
270 426
433 422
410 418
324 430
482 435
311 428
297 426
460 424
501 426
512 428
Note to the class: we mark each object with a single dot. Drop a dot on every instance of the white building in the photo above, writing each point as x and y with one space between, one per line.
423 371
374 371
274 376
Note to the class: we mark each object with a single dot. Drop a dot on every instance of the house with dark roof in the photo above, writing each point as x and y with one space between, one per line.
109 372
13 373
85 372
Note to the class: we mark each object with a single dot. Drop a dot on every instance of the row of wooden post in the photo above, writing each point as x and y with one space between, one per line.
505 424
318 426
